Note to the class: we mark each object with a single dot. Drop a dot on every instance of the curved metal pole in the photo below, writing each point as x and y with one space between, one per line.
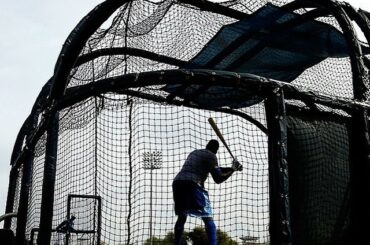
76 41
360 18
7 215
24 134
14 172
13 178
95 18
48 184
360 145
354 46
201 77
216 8
91 22
129 51
140 94
68 56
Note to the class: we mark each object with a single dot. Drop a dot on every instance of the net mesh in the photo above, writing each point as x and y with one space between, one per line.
181 31
106 157
319 179
34 203
13 224
105 141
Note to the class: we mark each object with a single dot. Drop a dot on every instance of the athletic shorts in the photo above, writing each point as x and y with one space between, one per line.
191 199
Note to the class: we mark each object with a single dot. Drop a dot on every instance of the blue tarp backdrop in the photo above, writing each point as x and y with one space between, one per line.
271 43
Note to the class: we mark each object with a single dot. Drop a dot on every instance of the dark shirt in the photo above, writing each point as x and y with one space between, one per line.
197 166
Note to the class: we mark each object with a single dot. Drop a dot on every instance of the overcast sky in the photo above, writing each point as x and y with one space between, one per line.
32 35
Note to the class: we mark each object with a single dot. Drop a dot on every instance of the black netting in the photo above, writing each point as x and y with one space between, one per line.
13 225
105 157
34 203
181 31
109 140
318 157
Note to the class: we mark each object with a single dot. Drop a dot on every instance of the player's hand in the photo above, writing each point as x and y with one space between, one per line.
236 166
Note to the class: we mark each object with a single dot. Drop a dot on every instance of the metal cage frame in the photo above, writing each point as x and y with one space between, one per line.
55 96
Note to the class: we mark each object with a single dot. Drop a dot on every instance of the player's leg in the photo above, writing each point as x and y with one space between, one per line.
179 228
211 230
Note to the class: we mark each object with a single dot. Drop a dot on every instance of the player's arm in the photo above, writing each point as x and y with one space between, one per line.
220 174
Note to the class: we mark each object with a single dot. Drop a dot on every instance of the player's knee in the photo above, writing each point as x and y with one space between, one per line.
207 219
181 219
179 226
209 223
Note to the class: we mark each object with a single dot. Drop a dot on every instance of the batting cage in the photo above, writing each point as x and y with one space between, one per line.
135 83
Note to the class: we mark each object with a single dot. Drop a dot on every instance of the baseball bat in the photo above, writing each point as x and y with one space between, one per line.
219 134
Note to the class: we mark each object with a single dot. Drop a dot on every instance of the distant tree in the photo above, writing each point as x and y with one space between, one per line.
156 241
167 240
223 238
197 236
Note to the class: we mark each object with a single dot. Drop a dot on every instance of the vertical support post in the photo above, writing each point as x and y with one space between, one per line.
151 209
360 143
360 176
129 195
48 185
25 184
66 237
32 236
99 221
14 172
24 196
280 230
95 148
13 178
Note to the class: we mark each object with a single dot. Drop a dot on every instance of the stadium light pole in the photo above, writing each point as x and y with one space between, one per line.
152 161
